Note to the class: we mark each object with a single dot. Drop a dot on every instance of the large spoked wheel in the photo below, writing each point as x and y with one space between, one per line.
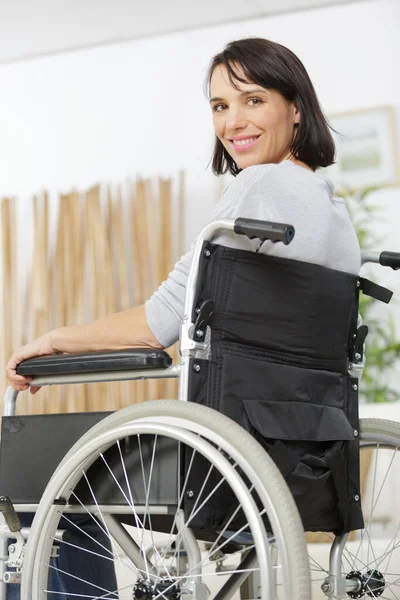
370 561
139 514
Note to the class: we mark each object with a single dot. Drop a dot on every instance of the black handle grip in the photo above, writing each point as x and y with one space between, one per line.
264 230
390 259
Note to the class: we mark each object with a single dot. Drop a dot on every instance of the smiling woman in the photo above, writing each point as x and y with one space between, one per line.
265 109
272 136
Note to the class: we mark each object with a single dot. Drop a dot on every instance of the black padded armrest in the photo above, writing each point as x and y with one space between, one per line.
95 362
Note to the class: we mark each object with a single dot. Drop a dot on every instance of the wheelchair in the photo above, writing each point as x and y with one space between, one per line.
209 496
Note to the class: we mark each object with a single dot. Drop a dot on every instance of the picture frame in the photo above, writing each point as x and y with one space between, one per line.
366 149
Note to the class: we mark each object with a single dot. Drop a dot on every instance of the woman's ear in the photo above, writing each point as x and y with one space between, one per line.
296 115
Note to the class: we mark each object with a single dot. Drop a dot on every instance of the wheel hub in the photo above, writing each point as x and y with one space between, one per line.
372 583
166 589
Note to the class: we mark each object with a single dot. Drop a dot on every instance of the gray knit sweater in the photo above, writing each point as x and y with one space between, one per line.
283 193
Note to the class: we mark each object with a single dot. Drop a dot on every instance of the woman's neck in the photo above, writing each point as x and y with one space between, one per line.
296 161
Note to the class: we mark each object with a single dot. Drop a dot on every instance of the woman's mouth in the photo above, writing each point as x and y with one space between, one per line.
242 143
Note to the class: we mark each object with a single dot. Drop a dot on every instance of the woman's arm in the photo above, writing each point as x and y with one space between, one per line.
121 330
162 314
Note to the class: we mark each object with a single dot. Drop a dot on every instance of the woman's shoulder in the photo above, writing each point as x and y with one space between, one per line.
283 182
281 177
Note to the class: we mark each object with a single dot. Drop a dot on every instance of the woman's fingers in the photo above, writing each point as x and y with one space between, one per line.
21 382
34 389
18 382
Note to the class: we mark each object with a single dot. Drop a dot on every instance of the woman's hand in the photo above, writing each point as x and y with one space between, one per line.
39 347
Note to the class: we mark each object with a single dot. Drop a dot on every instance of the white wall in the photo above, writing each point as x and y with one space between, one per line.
138 108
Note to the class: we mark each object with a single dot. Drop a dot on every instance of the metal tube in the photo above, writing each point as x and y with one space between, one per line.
10 401
191 546
129 546
171 372
335 556
370 257
183 389
114 509
12 577
4 554
206 234
25 531
336 582
236 579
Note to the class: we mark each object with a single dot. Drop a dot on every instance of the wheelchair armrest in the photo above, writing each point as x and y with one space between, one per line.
95 362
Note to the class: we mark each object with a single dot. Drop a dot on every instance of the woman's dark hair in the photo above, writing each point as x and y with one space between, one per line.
272 66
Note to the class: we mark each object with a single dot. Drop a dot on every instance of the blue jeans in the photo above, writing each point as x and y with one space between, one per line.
97 572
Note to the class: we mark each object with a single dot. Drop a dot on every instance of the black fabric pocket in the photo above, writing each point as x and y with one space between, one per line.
298 420
305 440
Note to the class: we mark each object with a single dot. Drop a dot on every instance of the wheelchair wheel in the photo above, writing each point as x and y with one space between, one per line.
150 527
370 560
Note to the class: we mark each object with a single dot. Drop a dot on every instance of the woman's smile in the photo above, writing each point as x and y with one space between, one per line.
241 143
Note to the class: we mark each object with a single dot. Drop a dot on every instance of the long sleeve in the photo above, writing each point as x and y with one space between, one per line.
164 310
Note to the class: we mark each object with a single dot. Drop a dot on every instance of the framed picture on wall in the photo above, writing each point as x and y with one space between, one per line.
366 149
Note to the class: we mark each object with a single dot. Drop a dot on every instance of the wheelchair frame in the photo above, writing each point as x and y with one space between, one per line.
335 585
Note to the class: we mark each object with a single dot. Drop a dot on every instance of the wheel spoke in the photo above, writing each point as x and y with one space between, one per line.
181 494
123 566
98 587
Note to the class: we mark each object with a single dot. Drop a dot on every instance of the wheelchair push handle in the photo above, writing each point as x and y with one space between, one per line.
390 259
264 230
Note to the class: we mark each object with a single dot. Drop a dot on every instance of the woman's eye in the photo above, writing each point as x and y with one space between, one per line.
218 107
254 101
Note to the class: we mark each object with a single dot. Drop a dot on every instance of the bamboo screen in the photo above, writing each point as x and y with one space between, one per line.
112 248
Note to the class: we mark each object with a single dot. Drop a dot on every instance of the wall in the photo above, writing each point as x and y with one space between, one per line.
138 108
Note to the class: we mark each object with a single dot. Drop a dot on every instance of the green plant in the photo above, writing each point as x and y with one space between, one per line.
382 346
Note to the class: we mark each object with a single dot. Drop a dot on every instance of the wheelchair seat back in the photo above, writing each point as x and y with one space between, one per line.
281 334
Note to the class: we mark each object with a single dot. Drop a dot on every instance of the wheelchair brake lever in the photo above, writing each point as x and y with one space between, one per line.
10 516
204 313
357 350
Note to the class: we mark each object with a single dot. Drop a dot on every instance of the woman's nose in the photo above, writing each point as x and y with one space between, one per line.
235 119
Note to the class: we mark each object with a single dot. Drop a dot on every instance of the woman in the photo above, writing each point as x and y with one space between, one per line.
272 136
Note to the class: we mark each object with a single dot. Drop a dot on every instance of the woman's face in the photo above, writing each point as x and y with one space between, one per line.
254 124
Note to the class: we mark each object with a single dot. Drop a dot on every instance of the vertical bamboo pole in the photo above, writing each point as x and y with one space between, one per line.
166 236
16 303
180 234
107 283
39 290
71 232
120 265
58 267
151 226
6 316
95 391
141 265
181 215
76 314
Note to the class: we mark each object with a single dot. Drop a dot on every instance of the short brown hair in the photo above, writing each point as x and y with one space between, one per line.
273 66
